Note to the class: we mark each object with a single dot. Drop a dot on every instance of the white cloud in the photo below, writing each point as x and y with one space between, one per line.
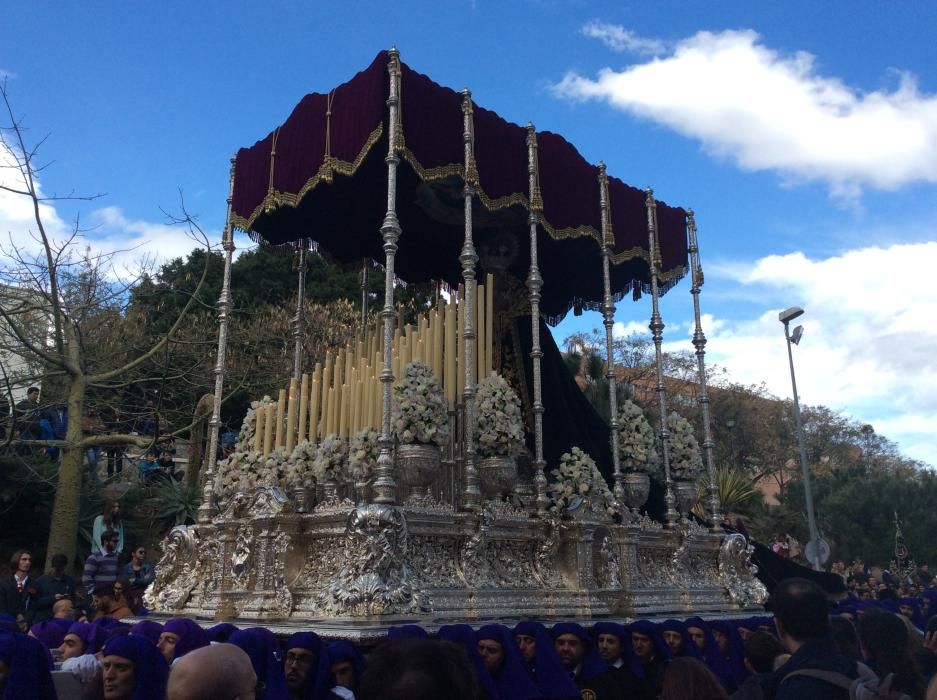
773 111
617 38
869 342
107 229
623 330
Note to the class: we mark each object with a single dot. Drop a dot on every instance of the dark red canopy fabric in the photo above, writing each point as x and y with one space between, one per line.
321 176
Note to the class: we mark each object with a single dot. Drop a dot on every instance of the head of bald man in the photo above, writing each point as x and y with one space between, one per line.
221 671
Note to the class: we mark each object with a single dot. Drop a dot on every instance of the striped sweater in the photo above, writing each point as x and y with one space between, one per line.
100 570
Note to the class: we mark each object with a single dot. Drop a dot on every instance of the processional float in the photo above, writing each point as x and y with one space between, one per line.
447 532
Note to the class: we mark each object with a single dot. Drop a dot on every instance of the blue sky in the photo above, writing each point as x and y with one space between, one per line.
803 134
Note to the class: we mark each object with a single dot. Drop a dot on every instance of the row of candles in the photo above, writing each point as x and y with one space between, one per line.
344 394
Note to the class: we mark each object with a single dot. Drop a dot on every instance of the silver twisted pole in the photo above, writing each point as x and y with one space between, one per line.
534 285
657 333
608 320
471 496
699 342
299 318
384 487
224 308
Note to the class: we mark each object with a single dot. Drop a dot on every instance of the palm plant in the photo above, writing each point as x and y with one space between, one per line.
735 489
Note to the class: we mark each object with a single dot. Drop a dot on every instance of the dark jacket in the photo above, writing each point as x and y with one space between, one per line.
47 587
819 654
12 600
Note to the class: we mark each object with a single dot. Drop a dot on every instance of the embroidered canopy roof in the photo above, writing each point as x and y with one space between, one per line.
321 177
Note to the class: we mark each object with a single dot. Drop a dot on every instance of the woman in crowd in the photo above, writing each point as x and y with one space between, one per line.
887 650
108 520
688 679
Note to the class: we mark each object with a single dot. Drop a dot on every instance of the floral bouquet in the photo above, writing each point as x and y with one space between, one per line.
636 440
420 414
578 477
362 454
499 427
686 463
299 465
245 471
330 460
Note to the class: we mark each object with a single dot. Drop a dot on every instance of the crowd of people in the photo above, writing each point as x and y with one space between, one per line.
807 648
41 427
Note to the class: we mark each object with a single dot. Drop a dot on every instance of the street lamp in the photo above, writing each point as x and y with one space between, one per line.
814 546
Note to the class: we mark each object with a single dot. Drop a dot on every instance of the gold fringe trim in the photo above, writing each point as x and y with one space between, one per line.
275 198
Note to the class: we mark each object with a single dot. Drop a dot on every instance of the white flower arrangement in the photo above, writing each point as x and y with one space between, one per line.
362 454
499 426
685 460
330 462
637 444
420 414
299 465
578 476
246 470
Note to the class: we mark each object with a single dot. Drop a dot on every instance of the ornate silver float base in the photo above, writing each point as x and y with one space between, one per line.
262 560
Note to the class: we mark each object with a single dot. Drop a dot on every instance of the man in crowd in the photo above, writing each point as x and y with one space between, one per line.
107 604
53 587
802 621
63 609
306 666
14 588
27 415
582 661
188 680
101 567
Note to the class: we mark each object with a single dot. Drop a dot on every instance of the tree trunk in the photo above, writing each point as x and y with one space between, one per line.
63 530
197 439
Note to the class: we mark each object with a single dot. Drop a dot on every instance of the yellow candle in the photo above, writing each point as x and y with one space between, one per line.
395 366
437 342
369 402
449 375
460 345
281 409
489 322
326 383
480 362
343 413
314 411
291 417
332 402
259 416
303 407
356 406
339 406
269 420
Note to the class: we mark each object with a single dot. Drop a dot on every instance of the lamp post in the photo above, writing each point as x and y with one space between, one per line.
813 547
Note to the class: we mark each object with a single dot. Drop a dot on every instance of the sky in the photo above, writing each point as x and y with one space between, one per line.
803 134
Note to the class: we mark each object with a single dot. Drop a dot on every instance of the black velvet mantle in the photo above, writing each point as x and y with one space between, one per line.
321 176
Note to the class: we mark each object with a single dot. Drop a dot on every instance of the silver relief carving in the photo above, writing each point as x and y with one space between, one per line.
738 572
374 579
